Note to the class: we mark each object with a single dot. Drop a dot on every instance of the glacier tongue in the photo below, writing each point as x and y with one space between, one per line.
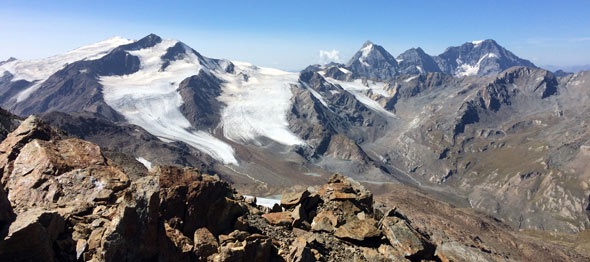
149 98
257 100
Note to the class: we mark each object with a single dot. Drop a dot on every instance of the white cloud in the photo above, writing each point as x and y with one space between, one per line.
329 56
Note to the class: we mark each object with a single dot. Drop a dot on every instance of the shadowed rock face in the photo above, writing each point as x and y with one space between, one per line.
200 105
416 61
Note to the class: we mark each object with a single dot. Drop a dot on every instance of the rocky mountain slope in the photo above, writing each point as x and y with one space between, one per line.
62 199
476 126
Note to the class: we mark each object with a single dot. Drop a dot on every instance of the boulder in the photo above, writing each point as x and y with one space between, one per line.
289 200
358 229
300 251
279 218
324 221
406 239
31 236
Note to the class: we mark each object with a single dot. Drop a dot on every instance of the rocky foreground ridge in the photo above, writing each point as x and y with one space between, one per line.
61 199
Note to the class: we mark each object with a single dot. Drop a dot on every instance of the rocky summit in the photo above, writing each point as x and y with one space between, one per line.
62 199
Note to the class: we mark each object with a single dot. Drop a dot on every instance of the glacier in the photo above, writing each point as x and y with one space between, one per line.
257 100
149 98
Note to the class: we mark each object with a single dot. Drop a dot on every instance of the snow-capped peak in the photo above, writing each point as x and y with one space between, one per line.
477 42
366 49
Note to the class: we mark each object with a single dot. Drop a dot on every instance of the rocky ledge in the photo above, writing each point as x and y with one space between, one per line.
61 199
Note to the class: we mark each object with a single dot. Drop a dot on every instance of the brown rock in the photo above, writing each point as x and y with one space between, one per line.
95 238
81 246
7 215
205 244
199 200
290 200
31 236
324 221
391 253
357 229
299 215
279 218
258 248
300 251
403 237
241 224
340 188
181 242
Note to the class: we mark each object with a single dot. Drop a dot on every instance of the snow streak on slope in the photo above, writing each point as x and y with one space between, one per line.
257 100
470 70
358 89
145 162
149 98
42 69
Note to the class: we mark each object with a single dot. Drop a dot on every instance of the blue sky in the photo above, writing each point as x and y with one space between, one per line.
290 34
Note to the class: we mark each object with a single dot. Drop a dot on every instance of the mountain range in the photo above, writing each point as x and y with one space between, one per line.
475 126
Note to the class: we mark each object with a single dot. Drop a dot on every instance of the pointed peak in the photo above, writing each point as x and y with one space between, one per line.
367 43
152 36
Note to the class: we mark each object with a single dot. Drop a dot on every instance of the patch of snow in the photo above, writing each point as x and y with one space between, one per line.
145 162
333 92
317 95
365 53
366 50
399 60
357 88
257 107
41 69
469 70
411 78
364 62
420 69
476 43
149 98
344 70
266 202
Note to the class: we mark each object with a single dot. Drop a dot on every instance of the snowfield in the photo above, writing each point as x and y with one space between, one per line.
149 98
41 69
257 100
